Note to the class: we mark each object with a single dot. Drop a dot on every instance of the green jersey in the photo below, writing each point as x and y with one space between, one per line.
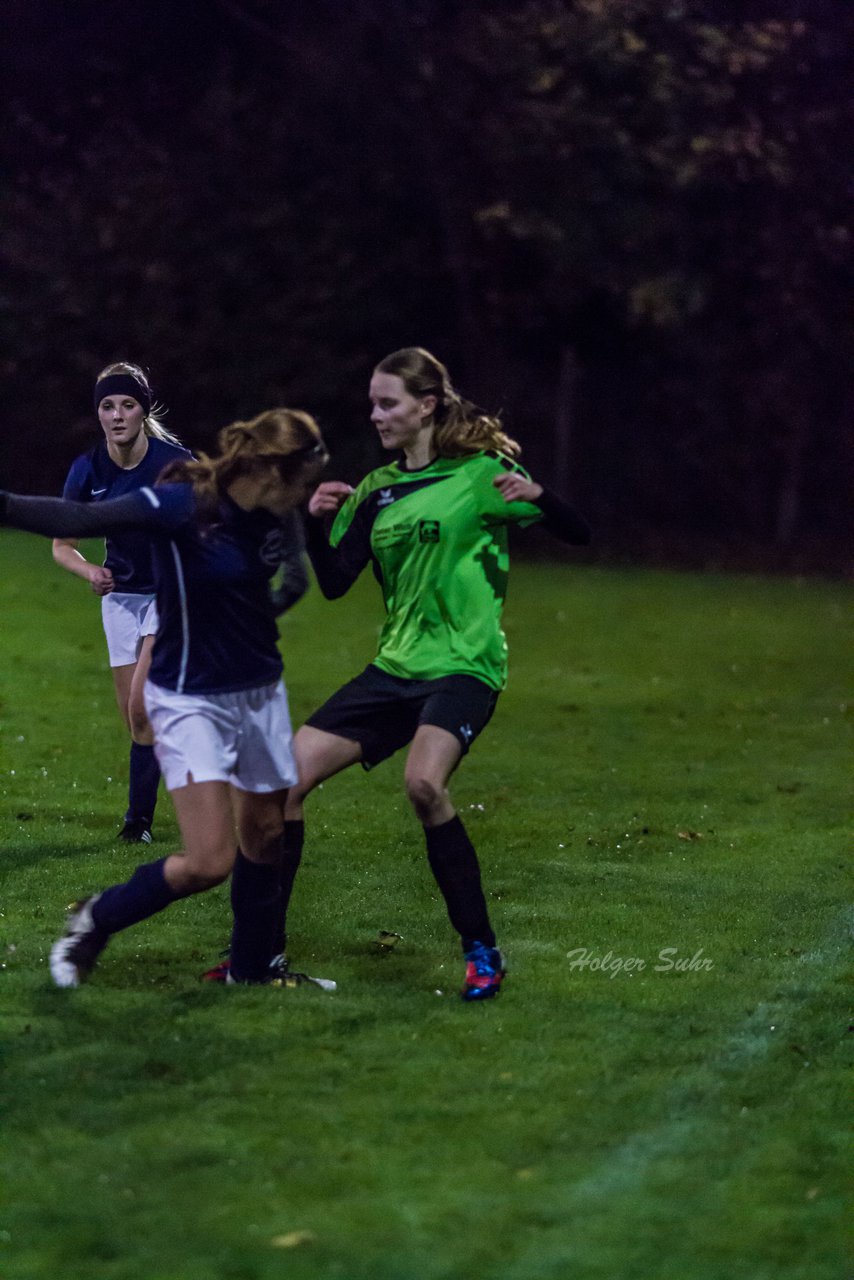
437 538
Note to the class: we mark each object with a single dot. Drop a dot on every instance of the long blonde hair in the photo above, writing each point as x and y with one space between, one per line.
152 424
460 426
289 436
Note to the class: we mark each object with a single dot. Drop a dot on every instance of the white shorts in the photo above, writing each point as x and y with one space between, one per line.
243 738
128 619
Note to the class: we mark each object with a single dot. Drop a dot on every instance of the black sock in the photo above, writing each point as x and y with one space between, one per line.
256 900
292 843
142 785
453 862
146 893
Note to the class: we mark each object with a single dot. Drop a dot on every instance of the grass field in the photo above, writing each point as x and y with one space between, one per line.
667 773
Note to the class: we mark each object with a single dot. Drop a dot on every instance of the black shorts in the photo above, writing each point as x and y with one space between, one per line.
382 712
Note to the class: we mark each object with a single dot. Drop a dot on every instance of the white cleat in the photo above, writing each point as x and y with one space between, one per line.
74 955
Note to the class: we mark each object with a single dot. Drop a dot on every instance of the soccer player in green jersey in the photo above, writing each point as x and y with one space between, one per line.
433 524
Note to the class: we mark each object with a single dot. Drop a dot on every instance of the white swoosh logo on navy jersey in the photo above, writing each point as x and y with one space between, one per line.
95 492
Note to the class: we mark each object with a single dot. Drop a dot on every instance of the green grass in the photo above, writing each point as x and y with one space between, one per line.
666 770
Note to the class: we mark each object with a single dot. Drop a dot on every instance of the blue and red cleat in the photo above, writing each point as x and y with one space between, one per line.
484 972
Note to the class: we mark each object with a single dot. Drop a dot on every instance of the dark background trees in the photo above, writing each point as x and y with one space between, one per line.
621 221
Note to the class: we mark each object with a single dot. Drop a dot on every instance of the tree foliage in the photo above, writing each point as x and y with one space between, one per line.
621 220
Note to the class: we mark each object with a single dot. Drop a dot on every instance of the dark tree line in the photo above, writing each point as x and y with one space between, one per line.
621 221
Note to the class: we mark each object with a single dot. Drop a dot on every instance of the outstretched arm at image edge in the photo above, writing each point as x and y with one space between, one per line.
59 518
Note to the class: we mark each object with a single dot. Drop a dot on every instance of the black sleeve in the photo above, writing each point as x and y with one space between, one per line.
59 518
291 582
336 568
562 520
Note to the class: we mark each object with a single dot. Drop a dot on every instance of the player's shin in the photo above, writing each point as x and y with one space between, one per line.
292 842
142 784
256 901
143 895
454 864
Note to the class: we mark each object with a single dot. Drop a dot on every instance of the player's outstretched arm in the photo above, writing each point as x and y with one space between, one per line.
59 518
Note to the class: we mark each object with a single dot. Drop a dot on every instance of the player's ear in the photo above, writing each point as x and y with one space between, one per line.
428 406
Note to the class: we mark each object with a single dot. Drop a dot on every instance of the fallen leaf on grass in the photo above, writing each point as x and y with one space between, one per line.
386 940
689 835
293 1239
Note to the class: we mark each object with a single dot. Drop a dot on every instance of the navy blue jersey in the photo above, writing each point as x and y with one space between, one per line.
218 631
94 477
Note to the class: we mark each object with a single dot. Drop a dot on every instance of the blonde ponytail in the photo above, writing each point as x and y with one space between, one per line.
460 427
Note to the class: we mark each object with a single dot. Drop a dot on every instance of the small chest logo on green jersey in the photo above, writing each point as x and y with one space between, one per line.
428 530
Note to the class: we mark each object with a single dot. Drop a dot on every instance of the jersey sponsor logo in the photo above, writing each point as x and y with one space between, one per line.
96 492
391 535
386 498
428 530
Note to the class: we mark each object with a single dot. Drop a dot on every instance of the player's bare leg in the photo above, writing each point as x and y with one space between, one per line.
319 755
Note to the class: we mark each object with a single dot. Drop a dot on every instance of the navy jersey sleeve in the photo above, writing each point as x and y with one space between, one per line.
76 487
160 510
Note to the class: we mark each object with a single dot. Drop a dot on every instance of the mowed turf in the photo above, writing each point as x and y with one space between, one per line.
660 806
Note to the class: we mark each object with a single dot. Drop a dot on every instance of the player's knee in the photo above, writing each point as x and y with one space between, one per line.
197 879
205 865
138 723
261 841
424 796
309 778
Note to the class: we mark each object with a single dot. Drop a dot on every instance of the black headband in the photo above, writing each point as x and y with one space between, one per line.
125 384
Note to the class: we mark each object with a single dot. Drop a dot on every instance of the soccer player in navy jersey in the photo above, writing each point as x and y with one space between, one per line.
135 449
214 692
434 527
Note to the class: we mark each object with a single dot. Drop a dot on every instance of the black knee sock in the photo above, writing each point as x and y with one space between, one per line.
292 843
256 900
146 893
453 862
142 785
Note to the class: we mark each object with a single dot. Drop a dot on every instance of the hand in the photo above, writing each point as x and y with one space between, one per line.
101 580
514 487
329 497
